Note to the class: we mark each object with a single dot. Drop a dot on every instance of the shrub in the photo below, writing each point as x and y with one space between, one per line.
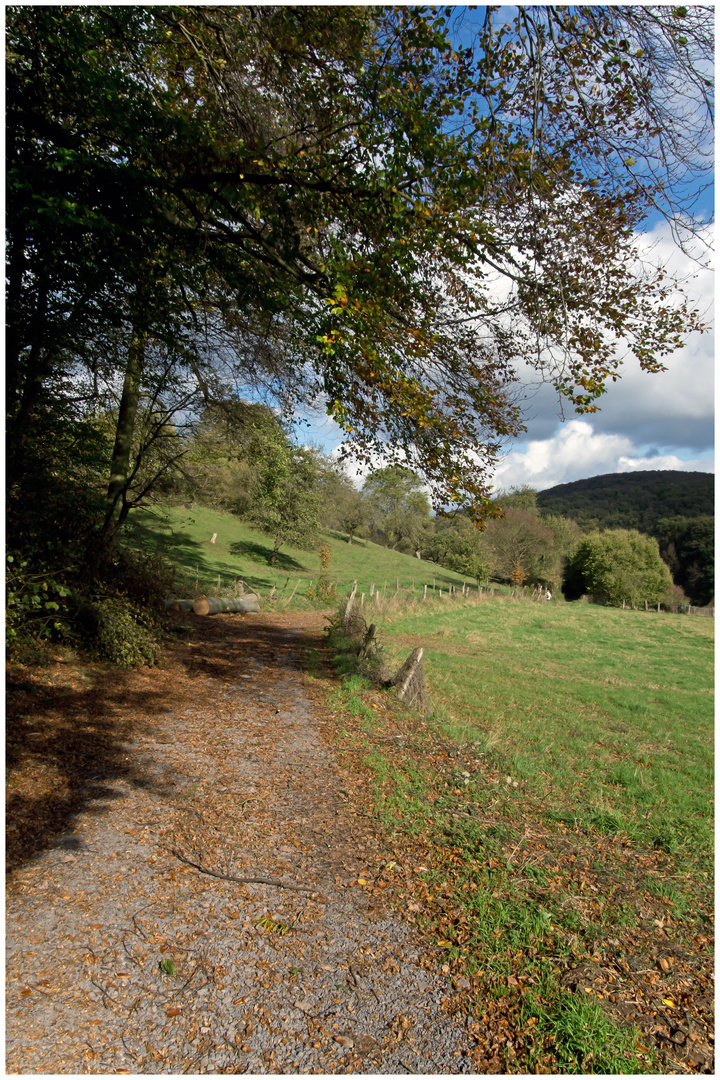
324 591
619 565
36 604
121 632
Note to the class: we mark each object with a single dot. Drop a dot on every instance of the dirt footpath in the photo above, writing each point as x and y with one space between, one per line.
125 954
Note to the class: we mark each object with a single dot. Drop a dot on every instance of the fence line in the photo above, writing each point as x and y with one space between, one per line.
422 593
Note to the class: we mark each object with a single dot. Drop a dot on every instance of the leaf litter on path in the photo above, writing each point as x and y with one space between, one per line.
128 959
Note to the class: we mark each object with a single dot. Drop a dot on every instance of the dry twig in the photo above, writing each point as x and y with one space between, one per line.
241 880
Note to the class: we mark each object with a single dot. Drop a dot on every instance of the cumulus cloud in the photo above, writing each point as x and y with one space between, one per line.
673 409
577 451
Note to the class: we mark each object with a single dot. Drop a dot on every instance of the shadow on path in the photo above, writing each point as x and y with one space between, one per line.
68 726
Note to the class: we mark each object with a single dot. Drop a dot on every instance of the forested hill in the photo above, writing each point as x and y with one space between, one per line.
636 500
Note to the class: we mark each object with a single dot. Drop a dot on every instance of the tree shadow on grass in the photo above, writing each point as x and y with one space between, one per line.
260 553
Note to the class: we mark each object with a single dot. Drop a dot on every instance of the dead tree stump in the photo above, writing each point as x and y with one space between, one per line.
368 642
410 681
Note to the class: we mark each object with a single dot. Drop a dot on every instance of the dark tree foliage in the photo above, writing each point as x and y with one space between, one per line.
688 547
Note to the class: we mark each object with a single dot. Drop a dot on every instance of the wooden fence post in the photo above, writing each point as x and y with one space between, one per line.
292 593
349 607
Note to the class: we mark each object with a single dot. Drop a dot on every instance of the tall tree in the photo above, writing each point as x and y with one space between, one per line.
285 496
355 183
398 506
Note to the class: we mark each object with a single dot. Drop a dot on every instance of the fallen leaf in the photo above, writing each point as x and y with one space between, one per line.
174 1011
345 1041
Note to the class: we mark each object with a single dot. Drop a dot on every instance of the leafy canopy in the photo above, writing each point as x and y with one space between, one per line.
344 204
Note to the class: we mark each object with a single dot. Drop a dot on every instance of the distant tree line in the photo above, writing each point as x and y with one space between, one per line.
634 500
676 508
240 458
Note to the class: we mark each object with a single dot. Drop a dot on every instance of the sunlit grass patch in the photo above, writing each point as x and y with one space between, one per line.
563 783
610 710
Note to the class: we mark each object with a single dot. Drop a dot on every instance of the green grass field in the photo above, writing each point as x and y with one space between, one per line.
183 537
606 714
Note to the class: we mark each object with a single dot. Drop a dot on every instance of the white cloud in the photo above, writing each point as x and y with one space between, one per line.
673 409
576 451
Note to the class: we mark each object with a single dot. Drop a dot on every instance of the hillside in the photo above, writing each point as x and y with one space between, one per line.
183 537
636 500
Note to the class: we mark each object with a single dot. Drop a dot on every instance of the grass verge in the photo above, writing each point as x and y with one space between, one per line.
553 816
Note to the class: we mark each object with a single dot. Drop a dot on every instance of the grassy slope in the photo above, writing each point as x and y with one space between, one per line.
183 537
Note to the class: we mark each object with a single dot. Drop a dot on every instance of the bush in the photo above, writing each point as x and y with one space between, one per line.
121 619
620 565
121 632
36 604
112 604
324 591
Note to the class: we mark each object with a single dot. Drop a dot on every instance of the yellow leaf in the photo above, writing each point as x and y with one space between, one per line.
362 881
667 1001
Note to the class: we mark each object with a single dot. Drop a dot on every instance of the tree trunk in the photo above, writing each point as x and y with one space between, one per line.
125 430
23 395
278 545
216 605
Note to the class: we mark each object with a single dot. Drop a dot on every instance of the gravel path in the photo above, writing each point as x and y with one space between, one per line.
233 775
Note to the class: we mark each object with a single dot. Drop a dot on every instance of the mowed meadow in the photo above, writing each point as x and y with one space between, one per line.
607 715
